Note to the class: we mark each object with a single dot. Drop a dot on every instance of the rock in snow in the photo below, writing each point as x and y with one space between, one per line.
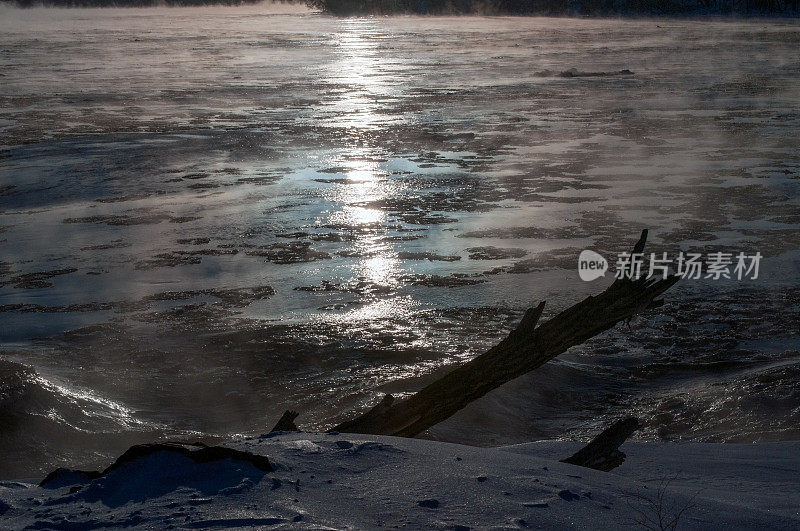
317 481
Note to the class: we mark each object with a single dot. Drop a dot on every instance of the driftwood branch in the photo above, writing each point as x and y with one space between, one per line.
525 349
603 452
286 422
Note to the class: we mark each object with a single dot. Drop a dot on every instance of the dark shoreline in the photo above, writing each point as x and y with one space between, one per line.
678 9
572 8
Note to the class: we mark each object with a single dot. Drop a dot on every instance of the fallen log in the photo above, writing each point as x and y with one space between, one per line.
603 453
523 350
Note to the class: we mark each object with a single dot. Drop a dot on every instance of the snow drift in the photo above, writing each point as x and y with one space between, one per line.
367 482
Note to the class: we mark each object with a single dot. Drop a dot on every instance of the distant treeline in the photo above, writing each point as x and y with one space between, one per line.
560 7
488 7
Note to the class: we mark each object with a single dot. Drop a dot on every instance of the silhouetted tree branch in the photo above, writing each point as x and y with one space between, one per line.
526 348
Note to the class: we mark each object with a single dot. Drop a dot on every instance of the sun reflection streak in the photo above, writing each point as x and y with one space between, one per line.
394 308
367 86
362 71
361 176
380 269
353 216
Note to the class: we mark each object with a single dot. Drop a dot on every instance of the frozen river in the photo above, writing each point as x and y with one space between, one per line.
208 216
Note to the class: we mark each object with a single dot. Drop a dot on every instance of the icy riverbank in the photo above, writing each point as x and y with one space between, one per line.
366 482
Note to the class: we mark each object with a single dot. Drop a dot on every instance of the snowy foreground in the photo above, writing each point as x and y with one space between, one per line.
363 482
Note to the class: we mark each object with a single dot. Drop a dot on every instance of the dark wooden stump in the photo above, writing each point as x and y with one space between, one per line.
603 452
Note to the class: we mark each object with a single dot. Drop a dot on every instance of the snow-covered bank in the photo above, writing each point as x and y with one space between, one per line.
365 482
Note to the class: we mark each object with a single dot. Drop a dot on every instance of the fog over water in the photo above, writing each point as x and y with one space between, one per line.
211 215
